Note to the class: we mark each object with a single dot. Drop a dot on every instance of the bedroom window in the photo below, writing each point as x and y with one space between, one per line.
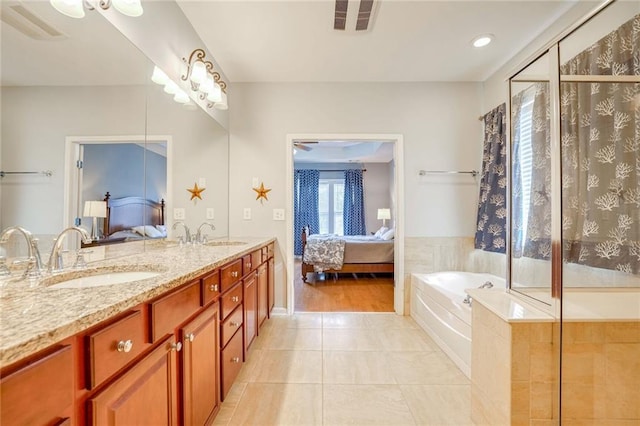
330 206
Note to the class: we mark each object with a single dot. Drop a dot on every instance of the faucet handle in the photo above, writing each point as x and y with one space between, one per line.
80 262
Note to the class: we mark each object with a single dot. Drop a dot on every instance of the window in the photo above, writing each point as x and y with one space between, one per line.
526 157
330 204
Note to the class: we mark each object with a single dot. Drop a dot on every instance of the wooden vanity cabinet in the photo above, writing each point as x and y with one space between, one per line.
200 367
144 394
40 392
271 296
263 294
250 309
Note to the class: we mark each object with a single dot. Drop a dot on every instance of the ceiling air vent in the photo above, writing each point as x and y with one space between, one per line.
340 16
345 20
29 24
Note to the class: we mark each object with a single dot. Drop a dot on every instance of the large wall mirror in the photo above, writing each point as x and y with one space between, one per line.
77 89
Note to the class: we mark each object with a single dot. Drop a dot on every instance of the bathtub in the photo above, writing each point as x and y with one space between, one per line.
437 306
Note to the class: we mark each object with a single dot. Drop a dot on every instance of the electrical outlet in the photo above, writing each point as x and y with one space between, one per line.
278 214
246 214
178 214
202 182
210 213
255 182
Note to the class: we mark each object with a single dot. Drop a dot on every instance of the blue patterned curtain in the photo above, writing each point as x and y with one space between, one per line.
305 205
353 211
492 209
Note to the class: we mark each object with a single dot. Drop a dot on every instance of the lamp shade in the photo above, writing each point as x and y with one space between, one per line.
131 8
95 209
215 95
159 76
384 214
207 85
198 72
71 8
222 105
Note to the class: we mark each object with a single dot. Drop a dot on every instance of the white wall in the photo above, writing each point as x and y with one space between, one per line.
438 121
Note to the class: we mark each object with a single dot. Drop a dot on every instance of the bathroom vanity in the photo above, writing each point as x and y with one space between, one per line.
161 350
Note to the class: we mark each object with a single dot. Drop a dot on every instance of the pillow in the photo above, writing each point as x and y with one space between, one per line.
147 230
388 235
162 229
380 232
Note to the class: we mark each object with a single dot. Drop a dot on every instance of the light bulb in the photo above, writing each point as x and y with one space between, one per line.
171 88
215 95
71 8
198 72
159 77
222 105
482 40
131 8
207 85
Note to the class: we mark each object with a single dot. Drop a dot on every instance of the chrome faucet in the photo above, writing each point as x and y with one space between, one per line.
34 266
199 236
487 284
187 233
55 260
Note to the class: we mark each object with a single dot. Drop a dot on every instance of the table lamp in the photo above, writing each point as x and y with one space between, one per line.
384 214
95 209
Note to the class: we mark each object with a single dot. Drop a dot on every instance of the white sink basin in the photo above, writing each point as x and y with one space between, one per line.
107 278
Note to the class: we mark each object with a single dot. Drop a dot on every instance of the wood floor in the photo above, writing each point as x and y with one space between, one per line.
347 293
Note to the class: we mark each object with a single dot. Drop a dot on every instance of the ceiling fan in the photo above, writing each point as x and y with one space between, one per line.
302 145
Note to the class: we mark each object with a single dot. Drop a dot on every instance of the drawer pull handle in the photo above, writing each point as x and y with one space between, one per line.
235 299
234 274
190 337
176 347
213 287
235 359
234 324
125 345
248 265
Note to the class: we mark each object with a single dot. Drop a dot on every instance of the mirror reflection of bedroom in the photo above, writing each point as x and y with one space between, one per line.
343 224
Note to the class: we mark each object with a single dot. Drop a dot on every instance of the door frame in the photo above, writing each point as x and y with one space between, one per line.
397 194
73 175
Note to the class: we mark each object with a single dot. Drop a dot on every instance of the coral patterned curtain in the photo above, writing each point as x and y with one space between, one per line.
492 209
354 223
600 130
305 205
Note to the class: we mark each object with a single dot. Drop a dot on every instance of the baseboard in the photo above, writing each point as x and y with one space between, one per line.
278 311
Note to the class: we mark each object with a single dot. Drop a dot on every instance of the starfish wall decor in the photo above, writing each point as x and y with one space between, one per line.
196 192
262 192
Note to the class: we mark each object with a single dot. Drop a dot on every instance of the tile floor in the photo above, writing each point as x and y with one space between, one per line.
346 369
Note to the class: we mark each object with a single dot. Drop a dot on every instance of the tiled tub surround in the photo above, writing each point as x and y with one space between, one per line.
437 304
34 317
516 354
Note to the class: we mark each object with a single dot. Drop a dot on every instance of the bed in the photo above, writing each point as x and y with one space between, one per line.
130 219
361 254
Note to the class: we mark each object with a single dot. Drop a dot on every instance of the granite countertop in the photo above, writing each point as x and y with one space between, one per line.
34 316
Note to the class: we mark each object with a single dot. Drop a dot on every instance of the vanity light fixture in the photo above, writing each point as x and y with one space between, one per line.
75 8
203 79
482 40
170 87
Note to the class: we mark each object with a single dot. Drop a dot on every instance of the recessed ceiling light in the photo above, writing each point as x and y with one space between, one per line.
482 40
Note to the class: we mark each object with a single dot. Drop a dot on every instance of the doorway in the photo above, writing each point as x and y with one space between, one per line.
396 200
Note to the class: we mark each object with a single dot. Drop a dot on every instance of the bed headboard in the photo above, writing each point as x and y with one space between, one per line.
127 212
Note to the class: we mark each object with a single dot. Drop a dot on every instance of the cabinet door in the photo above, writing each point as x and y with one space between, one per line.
263 300
40 393
250 309
146 394
271 283
200 372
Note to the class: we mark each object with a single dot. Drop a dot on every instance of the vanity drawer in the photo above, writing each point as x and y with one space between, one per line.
230 300
171 310
231 362
231 325
114 346
251 261
210 288
267 252
230 274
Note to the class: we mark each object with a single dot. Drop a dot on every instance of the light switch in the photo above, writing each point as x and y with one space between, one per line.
178 214
246 214
278 214
202 182
210 213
